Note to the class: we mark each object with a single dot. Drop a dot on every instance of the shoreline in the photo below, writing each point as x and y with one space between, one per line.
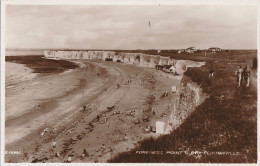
40 64
13 78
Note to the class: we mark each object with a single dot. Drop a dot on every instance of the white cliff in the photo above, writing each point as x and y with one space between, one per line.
188 96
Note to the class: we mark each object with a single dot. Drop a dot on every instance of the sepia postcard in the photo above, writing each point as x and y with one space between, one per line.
129 82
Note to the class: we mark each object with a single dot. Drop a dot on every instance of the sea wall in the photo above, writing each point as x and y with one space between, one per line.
189 95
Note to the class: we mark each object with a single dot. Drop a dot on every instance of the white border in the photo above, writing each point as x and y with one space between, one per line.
110 2
2 81
258 90
130 2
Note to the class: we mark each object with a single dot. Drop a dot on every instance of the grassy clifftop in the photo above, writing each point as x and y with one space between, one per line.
223 129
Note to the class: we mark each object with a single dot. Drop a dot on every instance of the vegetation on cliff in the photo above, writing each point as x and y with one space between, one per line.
223 129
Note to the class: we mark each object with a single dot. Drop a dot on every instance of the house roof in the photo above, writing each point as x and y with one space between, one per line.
191 48
214 48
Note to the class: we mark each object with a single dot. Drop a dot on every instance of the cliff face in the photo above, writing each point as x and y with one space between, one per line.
188 96
142 60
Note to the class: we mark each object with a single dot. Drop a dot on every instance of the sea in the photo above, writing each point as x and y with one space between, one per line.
23 52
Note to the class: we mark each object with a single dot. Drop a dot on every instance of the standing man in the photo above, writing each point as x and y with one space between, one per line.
247 75
239 75
211 71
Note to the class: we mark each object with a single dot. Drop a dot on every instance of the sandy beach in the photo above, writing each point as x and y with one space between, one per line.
55 103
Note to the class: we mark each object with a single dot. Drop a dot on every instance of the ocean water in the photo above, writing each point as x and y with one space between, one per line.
23 52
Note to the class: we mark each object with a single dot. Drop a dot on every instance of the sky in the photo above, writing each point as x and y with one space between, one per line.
131 27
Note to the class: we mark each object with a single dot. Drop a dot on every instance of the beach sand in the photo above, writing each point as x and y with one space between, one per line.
56 102
16 73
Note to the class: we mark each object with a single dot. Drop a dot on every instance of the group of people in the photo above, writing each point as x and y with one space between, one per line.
83 155
243 74
69 159
99 116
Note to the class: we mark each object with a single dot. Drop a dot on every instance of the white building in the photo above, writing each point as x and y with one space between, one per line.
191 50
181 51
214 49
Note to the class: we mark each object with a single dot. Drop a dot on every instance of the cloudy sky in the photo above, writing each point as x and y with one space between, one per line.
127 27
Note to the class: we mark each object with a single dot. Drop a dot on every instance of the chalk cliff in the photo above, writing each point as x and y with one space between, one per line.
139 59
188 96
142 60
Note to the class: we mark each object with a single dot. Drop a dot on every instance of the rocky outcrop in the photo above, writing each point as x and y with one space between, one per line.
188 96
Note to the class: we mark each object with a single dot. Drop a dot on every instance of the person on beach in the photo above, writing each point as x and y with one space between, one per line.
84 108
153 111
54 130
103 147
54 144
57 154
126 137
105 118
84 153
246 75
239 75
69 159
